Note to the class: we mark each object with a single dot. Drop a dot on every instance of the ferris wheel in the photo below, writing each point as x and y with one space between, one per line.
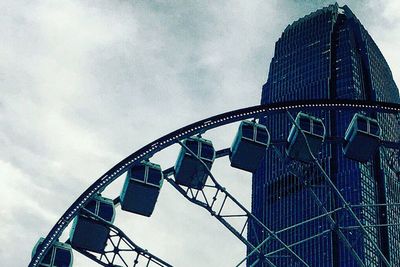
91 216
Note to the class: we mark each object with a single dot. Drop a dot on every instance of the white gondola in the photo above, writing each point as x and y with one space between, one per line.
314 130
141 189
189 171
89 234
249 146
59 255
362 138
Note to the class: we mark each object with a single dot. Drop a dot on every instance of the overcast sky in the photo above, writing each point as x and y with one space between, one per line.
85 83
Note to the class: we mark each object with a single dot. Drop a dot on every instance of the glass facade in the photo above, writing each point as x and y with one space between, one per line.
328 54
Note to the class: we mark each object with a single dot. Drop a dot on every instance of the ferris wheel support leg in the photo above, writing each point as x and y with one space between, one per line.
346 205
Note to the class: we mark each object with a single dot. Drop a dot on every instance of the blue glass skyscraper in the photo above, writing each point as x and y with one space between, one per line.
328 54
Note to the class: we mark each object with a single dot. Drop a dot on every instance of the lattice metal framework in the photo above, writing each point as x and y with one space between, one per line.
214 197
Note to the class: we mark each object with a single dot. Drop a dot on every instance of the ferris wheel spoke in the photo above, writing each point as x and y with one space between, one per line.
228 196
298 170
347 206
218 210
334 224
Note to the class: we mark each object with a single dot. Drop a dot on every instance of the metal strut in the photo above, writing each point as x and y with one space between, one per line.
326 213
251 219
392 159
373 225
124 250
346 205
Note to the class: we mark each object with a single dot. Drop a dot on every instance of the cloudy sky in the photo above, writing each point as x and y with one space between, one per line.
85 83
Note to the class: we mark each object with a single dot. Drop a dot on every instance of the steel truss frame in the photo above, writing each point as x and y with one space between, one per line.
297 168
218 212
346 205
197 128
120 243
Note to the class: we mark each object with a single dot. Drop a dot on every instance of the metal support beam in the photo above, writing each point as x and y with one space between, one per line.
248 213
216 214
326 213
347 206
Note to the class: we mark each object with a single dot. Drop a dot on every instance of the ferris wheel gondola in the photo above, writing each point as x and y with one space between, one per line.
362 138
88 234
142 188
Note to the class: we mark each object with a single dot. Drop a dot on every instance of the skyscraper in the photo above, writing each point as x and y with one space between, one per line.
328 54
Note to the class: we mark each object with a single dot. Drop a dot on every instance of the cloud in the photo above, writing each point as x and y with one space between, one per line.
85 84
